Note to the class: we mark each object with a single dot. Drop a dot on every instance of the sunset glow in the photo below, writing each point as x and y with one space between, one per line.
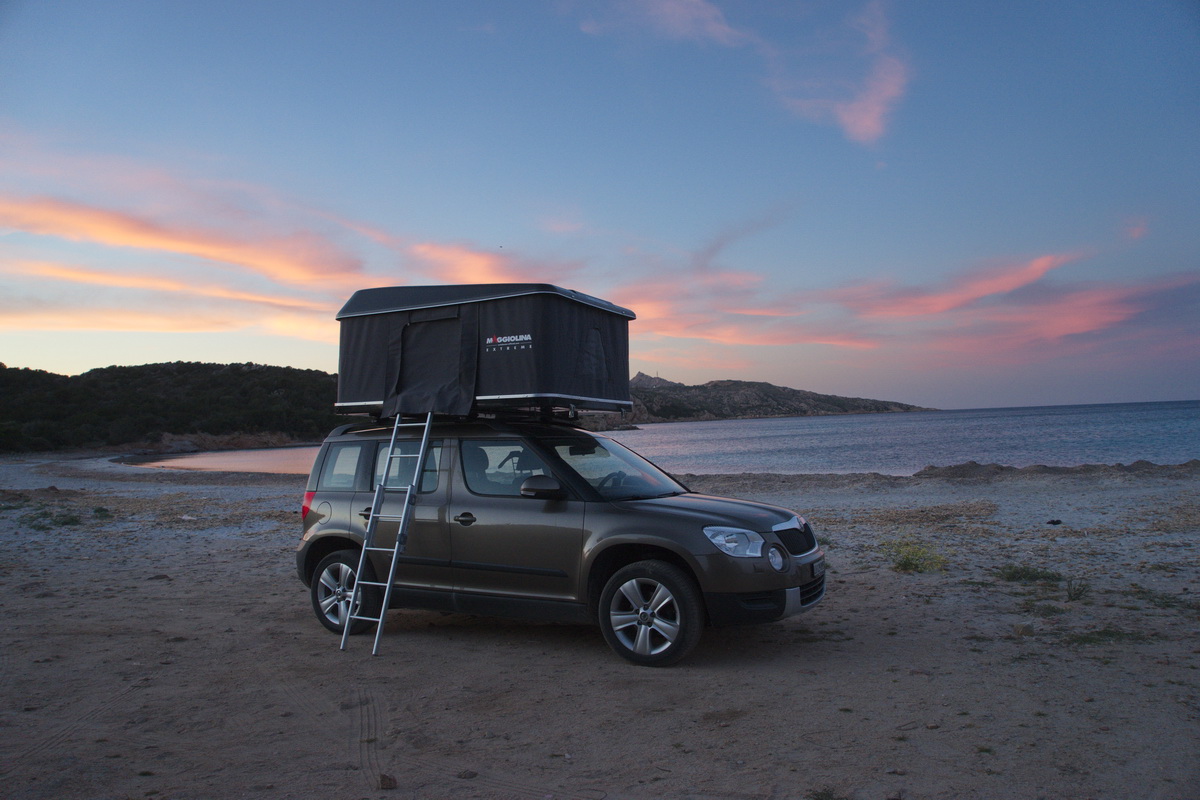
933 205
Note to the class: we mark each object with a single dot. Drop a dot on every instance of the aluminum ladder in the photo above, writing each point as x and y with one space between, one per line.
382 492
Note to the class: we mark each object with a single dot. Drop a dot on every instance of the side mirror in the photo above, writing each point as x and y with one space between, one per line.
542 487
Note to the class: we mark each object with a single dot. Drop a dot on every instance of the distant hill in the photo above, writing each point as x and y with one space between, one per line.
143 405
661 400
123 405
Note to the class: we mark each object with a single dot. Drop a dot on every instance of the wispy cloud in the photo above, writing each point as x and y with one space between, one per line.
296 258
857 87
861 107
691 20
885 300
1062 319
157 283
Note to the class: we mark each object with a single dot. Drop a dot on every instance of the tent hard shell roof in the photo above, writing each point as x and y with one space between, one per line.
409 298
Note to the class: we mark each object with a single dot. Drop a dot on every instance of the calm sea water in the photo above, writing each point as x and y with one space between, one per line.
891 444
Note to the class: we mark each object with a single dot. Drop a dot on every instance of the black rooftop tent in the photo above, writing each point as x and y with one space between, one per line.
456 350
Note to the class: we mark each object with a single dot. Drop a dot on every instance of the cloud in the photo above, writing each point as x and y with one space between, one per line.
297 258
863 114
856 86
81 275
692 20
884 300
1068 319
459 264
1136 228
24 315
724 307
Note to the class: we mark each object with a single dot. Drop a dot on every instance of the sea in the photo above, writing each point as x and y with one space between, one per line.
889 444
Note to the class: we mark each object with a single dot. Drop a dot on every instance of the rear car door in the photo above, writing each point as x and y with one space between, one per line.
504 543
425 563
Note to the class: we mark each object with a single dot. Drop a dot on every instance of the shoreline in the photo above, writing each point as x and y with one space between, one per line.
158 643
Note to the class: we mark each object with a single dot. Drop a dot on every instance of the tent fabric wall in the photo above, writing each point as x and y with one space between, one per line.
459 349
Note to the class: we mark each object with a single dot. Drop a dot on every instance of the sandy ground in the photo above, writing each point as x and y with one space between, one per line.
157 644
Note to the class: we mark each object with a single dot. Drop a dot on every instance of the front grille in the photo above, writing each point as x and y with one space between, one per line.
812 591
798 541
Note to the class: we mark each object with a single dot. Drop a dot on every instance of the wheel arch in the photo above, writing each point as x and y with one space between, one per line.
613 558
323 547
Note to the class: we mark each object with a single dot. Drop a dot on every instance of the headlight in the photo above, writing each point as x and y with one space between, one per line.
737 542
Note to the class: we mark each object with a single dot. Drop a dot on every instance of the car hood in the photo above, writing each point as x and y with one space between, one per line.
709 510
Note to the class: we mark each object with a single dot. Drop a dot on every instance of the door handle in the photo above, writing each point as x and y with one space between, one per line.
365 513
465 518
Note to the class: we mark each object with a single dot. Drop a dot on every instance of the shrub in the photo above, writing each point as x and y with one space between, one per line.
910 554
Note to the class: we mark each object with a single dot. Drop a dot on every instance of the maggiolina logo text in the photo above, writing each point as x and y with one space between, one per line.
519 341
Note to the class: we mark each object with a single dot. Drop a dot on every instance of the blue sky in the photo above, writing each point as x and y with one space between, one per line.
943 203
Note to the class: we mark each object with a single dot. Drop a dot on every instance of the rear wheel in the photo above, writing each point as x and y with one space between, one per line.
651 613
332 590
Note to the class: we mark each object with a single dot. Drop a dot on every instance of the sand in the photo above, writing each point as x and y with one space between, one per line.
157 644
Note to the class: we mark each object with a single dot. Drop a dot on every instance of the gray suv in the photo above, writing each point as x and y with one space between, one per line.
545 521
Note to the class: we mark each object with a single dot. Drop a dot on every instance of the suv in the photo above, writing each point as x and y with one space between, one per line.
545 521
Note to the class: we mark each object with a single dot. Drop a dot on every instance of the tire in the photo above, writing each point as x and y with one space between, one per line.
332 587
651 613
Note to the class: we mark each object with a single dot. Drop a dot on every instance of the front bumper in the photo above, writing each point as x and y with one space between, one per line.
744 608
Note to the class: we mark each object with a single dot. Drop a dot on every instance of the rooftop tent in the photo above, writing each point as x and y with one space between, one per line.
459 349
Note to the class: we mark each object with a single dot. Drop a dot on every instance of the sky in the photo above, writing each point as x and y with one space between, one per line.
957 205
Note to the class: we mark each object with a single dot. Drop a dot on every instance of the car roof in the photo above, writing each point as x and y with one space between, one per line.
482 428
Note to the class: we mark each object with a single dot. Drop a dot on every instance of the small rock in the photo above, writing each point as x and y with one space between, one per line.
386 781
1054 522
468 774
895 771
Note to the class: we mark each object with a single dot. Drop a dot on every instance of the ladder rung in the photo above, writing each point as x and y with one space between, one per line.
404 519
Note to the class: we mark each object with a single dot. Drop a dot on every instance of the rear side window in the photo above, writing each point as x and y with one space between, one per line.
340 467
401 472
499 467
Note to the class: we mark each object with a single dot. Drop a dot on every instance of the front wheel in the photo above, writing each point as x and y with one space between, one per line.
651 613
332 590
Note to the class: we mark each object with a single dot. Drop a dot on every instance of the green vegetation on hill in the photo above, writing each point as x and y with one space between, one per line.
135 405
660 400
123 405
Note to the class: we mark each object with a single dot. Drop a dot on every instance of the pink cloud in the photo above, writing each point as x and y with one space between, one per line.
295 259
459 264
80 275
1137 228
881 300
861 111
694 20
723 307
863 115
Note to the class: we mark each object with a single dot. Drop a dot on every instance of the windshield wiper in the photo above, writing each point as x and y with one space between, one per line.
651 496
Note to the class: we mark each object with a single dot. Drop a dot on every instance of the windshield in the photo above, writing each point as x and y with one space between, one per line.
615 472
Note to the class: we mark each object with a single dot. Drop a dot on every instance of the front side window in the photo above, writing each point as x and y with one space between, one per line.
613 471
400 474
499 467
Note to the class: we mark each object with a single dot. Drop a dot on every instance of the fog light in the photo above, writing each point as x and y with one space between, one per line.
777 558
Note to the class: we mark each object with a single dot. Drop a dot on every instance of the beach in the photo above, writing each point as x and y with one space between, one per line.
157 643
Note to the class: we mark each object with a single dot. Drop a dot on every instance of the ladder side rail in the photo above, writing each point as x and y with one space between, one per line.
369 540
363 558
406 515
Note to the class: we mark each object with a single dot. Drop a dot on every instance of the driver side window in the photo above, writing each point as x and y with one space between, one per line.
499 467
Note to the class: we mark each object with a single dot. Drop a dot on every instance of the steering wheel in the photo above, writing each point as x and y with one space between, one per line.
615 478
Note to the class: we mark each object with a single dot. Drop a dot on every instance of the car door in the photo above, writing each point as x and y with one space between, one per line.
425 563
504 543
